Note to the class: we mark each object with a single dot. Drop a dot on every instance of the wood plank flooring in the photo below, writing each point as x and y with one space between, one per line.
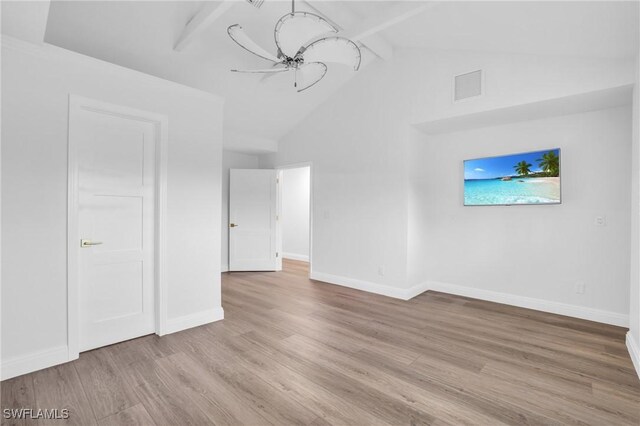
295 351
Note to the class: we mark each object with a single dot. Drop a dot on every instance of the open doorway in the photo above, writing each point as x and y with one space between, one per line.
270 219
295 217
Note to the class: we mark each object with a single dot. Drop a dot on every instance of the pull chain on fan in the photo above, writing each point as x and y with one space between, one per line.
304 46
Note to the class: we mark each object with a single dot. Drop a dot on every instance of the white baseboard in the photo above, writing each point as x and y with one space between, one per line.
59 355
193 320
293 256
385 290
634 352
591 314
560 308
415 290
224 268
34 361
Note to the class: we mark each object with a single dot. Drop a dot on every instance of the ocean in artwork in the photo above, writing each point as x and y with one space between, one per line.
527 178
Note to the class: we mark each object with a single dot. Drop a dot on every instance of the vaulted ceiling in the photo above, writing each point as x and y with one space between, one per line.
143 35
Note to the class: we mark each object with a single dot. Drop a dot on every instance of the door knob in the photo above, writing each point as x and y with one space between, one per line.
89 243
232 225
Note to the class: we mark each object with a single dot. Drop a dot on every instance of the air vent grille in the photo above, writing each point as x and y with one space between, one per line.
255 3
467 85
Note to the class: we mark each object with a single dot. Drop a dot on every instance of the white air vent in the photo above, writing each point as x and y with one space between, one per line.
467 85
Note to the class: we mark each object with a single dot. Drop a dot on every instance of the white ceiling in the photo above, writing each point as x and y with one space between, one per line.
607 29
142 34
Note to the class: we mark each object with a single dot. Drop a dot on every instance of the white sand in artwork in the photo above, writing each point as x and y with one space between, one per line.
552 180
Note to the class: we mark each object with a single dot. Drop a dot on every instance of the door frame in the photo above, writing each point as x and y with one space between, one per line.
160 122
280 169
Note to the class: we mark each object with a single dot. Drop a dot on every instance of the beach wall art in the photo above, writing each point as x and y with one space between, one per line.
526 178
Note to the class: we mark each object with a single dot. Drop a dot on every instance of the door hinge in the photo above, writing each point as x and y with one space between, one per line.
276 254
277 180
277 217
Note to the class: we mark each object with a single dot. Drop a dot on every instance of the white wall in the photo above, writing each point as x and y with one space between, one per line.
633 339
294 216
538 252
356 144
509 80
36 83
367 208
231 160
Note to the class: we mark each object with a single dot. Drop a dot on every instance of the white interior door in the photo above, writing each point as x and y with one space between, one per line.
252 220
116 178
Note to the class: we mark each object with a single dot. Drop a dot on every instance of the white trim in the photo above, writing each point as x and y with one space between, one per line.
160 240
415 290
34 361
560 308
224 268
72 239
294 256
382 289
76 104
1 367
194 320
51 51
300 165
634 351
279 181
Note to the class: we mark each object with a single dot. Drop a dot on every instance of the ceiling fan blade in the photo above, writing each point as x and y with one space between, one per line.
277 69
333 49
264 71
309 74
238 35
294 30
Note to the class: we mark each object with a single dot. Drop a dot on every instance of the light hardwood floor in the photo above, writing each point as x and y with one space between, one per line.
295 351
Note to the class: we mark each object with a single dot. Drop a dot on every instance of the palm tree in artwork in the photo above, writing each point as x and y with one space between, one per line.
523 168
550 163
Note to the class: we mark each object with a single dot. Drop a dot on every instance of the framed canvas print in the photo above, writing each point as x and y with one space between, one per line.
527 178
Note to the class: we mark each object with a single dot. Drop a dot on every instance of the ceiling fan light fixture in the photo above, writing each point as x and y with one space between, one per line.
338 50
304 45
293 30
237 34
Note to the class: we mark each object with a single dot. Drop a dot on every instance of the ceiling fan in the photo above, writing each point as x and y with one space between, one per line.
304 47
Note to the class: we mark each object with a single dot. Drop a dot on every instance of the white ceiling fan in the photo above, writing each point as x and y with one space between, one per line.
304 46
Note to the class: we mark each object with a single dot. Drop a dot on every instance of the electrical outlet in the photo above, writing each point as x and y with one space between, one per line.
601 221
381 270
580 287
